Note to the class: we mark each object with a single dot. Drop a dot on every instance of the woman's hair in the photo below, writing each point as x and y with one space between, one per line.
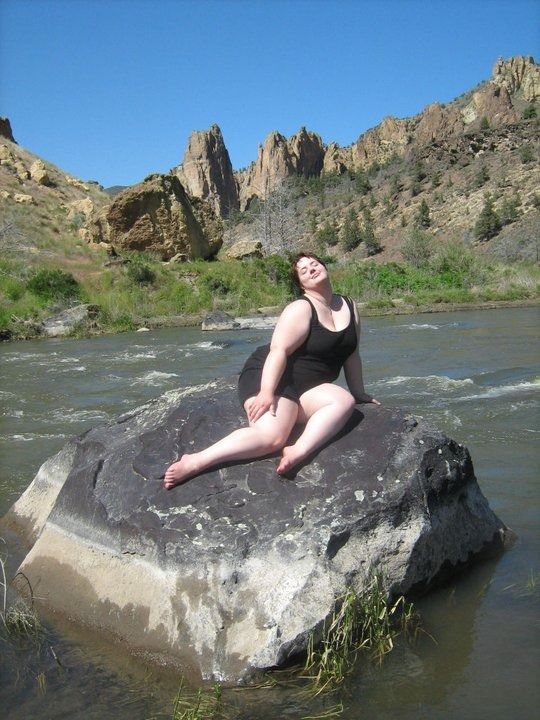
294 263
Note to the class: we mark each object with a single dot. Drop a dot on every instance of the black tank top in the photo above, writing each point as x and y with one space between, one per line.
321 356
318 360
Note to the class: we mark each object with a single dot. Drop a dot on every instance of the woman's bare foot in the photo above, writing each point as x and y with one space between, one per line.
180 471
290 456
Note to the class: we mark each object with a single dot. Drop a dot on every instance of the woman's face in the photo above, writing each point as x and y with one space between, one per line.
310 272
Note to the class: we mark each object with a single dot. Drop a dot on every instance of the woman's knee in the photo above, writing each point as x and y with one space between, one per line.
274 441
328 395
347 401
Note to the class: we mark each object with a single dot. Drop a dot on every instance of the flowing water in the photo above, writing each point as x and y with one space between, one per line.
475 374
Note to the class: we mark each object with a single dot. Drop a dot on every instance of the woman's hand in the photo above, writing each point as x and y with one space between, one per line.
259 404
365 398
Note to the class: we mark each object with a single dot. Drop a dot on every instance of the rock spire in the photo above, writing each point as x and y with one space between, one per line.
206 171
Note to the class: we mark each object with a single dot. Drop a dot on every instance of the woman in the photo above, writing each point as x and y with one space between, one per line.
290 381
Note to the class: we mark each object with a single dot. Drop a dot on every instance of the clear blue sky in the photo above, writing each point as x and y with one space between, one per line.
111 89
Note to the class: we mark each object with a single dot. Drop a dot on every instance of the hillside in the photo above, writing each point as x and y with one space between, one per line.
447 194
299 191
44 210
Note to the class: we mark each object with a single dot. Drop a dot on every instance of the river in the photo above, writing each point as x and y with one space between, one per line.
475 374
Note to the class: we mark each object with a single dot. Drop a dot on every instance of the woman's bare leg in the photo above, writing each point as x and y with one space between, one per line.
265 436
326 408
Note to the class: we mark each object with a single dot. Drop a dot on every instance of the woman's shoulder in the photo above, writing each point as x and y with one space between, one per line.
352 307
297 309
301 303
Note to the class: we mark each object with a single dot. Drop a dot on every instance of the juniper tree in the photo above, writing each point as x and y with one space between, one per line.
481 177
327 235
509 211
368 233
488 223
361 183
422 218
351 236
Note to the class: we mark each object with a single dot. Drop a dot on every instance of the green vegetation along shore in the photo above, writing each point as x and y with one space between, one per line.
140 289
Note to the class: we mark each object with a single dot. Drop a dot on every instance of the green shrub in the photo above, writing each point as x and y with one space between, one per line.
456 264
140 273
361 183
530 112
481 177
13 289
327 235
216 284
418 172
484 123
418 248
53 284
276 269
526 154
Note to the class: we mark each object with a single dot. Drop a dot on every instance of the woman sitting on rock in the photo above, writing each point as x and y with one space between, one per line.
290 381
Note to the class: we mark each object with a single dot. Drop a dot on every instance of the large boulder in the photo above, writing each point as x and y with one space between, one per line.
39 173
67 321
159 216
244 250
230 572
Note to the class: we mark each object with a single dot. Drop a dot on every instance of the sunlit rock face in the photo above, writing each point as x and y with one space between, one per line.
519 73
158 215
230 573
206 171
280 158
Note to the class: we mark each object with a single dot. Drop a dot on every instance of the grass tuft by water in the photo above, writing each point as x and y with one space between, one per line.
361 621
203 705
19 620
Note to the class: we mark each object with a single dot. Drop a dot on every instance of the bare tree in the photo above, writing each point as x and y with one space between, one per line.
274 223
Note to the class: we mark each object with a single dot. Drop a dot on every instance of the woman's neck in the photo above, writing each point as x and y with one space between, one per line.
324 296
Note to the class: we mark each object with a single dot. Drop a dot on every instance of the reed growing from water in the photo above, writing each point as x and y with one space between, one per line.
361 621
203 705
19 620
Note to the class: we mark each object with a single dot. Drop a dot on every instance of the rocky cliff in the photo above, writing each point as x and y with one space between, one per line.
446 158
494 104
518 74
5 129
279 158
206 171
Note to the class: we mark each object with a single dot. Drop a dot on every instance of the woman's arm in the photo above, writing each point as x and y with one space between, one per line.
353 370
291 330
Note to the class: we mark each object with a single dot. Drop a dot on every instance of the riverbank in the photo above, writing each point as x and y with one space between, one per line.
365 311
145 293
266 317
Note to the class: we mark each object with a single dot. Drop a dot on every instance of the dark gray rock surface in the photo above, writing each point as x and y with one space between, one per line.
218 320
231 571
